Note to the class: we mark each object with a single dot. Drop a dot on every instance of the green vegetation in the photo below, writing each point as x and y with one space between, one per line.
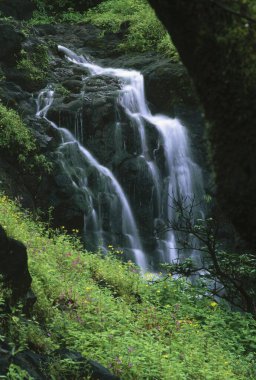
18 143
16 373
36 63
144 30
103 308
235 271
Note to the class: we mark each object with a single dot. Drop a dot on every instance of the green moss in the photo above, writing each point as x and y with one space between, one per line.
103 308
14 133
145 32
35 63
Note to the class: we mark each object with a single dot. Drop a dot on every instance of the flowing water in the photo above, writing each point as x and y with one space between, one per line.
181 180
78 157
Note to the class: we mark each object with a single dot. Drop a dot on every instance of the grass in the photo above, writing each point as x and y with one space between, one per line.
103 308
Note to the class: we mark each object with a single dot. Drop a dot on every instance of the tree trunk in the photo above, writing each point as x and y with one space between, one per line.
216 41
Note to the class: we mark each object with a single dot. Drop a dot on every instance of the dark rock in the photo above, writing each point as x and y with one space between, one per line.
86 367
36 365
5 357
11 93
22 79
46 137
98 372
74 86
10 42
14 266
12 183
46 30
26 360
168 86
28 302
19 9
30 362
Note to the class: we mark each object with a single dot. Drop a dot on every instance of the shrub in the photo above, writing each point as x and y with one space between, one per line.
145 31
17 142
103 308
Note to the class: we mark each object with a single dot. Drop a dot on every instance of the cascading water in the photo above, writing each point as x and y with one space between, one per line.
182 179
75 160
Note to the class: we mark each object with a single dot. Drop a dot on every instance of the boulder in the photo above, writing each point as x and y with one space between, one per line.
168 86
36 365
86 366
14 266
10 42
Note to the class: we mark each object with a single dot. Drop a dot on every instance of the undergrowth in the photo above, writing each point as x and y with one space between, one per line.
145 32
18 143
103 308
35 63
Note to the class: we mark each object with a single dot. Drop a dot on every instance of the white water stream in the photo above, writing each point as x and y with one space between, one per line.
183 180
129 228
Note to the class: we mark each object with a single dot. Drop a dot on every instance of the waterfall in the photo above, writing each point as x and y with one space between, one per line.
79 158
183 179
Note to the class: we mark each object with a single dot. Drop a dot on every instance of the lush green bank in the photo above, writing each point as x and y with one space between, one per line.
134 18
104 309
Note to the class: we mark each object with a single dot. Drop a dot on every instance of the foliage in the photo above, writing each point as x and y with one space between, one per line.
17 141
102 307
234 273
35 63
145 32
16 373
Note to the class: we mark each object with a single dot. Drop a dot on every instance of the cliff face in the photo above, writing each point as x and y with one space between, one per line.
36 64
216 43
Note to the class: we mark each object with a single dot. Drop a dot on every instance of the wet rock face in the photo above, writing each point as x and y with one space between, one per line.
90 117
